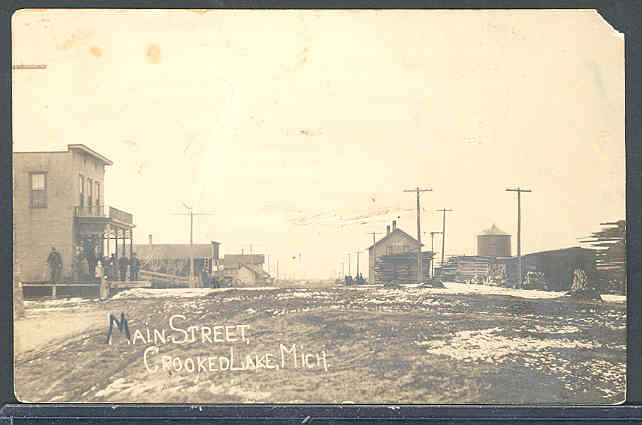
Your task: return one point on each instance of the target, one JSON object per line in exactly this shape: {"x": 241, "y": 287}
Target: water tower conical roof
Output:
{"x": 493, "y": 230}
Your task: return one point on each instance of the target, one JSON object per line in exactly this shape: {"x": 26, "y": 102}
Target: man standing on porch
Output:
{"x": 55, "y": 264}
{"x": 123, "y": 263}
{"x": 134, "y": 267}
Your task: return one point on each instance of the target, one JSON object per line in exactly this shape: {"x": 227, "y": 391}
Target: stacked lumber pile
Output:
{"x": 401, "y": 268}
{"x": 610, "y": 255}
{"x": 469, "y": 268}
{"x": 466, "y": 268}
{"x": 448, "y": 272}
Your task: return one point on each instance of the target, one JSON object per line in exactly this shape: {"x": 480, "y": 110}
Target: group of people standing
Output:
{"x": 358, "y": 279}
{"x": 118, "y": 267}
{"x": 89, "y": 266}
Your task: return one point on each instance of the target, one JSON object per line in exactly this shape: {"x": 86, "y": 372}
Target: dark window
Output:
{"x": 82, "y": 191}
{"x": 90, "y": 190}
{"x": 38, "y": 190}
{"x": 97, "y": 194}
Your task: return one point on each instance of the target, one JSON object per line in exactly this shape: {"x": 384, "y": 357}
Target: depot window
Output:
{"x": 38, "y": 190}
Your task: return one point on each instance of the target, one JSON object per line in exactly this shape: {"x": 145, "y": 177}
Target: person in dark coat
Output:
{"x": 107, "y": 267}
{"x": 205, "y": 279}
{"x": 55, "y": 264}
{"x": 134, "y": 267}
{"x": 122, "y": 264}
{"x": 91, "y": 263}
{"x": 114, "y": 268}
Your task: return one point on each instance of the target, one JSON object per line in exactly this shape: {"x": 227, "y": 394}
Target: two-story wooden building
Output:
{"x": 394, "y": 257}
{"x": 58, "y": 201}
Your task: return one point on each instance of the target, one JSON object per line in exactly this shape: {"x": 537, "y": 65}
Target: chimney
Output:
{"x": 150, "y": 239}
{"x": 387, "y": 230}
{"x": 394, "y": 224}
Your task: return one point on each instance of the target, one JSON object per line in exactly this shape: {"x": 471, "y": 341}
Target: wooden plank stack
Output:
{"x": 401, "y": 268}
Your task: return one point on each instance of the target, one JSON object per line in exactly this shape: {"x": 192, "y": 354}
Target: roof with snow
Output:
{"x": 396, "y": 230}
{"x": 236, "y": 259}
{"x": 172, "y": 251}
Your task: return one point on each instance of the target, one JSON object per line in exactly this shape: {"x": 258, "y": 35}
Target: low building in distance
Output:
{"x": 246, "y": 269}
{"x": 174, "y": 259}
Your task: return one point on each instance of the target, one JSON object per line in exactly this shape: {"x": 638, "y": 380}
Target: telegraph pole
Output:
{"x": 519, "y": 231}
{"x": 432, "y": 249}
{"x": 373, "y": 237}
{"x": 443, "y": 236}
{"x": 420, "y": 274}
{"x": 357, "y": 264}
{"x": 372, "y": 266}
{"x": 191, "y": 215}
{"x": 349, "y": 265}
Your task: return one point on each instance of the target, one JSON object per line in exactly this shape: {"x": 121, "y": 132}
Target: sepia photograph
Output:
{"x": 318, "y": 207}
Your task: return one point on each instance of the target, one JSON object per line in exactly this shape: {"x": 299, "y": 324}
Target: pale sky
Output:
{"x": 299, "y": 130}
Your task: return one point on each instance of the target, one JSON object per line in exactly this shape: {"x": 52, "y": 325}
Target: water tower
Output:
{"x": 493, "y": 242}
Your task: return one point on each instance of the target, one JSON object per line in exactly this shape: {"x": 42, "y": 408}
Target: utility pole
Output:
{"x": 357, "y": 275}
{"x": 343, "y": 270}
{"x": 277, "y": 269}
{"x": 519, "y": 231}
{"x": 420, "y": 273}
{"x": 443, "y": 236}
{"x": 432, "y": 249}
{"x": 372, "y": 266}
{"x": 191, "y": 215}
{"x": 374, "y": 241}
{"x": 349, "y": 265}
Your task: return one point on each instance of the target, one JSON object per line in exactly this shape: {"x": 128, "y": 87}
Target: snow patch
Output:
{"x": 488, "y": 345}
{"x": 182, "y": 292}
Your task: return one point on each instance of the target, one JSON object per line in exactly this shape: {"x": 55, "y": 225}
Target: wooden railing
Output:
{"x": 173, "y": 280}
{"x": 89, "y": 211}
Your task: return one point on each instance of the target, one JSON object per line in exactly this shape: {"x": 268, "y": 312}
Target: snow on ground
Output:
{"x": 462, "y": 288}
{"x": 182, "y": 292}
{"x": 611, "y": 298}
{"x": 302, "y": 293}
{"x": 58, "y": 303}
{"x": 489, "y": 345}
{"x": 427, "y": 342}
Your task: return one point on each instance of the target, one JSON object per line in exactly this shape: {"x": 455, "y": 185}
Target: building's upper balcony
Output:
{"x": 90, "y": 211}
{"x": 103, "y": 214}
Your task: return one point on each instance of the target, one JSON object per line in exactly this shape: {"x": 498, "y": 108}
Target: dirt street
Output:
{"x": 368, "y": 344}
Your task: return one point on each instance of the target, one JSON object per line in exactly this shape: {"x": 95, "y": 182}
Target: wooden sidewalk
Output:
{"x": 114, "y": 284}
